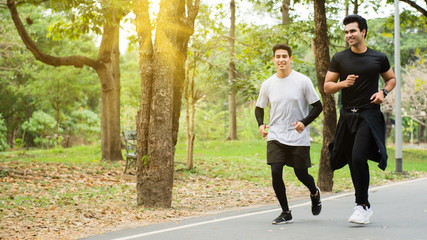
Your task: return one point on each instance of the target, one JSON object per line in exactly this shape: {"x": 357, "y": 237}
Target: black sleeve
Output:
{"x": 314, "y": 113}
{"x": 259, "y": 115}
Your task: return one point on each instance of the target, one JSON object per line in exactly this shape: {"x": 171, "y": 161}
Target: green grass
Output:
{"x": 246, "y": 160}
{"x": 236, "y": 160}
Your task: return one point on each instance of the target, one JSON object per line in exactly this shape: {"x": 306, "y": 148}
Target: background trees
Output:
{"x": 102, "y": 18}
{"x": 152, "y": 75}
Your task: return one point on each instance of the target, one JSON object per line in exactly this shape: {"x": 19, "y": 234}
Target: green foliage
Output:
{"x": 39, "y": 126}
{"x": 413, "y": 32}
{"x": 246, "y": 160}
{"x": 3, "y": 130}
{"x": 28, "y": 84}
{"x": 85, "y": 16}
{"x": 130, "y": 92}
{"x": 16, "y": 65}
{"x": 85, "y": 123}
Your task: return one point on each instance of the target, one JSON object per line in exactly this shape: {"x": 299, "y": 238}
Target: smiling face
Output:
{"x": 282, "y": 61}
{"x": 353, "y": 35}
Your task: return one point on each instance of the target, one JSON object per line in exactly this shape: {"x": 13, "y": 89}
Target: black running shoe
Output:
{"x": 316, "y": 204}
{"x": 285, "y": 217}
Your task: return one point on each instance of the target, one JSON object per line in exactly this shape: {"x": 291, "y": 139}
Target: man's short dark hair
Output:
{"x": 283, "y": 47}
{"x": 360, "y": 21}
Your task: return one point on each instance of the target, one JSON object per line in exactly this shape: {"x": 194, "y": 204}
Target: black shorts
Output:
{"x": 293, "y": 156}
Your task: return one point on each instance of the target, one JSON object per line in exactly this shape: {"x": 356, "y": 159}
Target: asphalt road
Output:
{"x": 399, "y": 212}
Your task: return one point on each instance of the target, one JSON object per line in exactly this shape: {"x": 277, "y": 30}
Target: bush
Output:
{"x": 3, "y": 132}
{"x": 40, "y": 125}
{"x": 86, "y": 123}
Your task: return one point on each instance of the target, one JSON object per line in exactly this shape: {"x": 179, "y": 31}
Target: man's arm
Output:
{"x": 314, "y": 113}
{"x": 332, "y": 85}
{"x": 259, "y": 115}
{"x": 390, "y": 82}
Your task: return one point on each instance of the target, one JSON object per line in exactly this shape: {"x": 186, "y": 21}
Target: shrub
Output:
{"x": 3, "y": 132}
{"x": 39, "y": 126}
{"x": 86, "y": 123}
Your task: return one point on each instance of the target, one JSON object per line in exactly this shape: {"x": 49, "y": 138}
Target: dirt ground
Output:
{"x": 57, "y": 201}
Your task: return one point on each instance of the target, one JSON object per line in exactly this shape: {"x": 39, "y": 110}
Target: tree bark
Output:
{"x": 321, "y": 54}
{"x": 286, "y": 4}
{"x": 107, "y": 68}
{"x": 388, "y": 123}
{"x": 421, "y": 136}
{"x": 232, "y": 118}
{"x": 191, "y": 97}
{"x": 355, "y": 7}
{"x": 162, "y": 67}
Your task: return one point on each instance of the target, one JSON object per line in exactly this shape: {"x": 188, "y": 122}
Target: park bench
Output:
{"x": 130, "y": 146}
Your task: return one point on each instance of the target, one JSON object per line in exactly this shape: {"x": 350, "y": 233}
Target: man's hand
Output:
{"x": 378, "y": 97}
{"x": 299, "y": 126}
{"x": 350, "y": 80}
{"x": 262, "y": 131}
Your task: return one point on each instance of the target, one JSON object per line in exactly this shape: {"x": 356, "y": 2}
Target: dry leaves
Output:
{"x": 59, "y": 201}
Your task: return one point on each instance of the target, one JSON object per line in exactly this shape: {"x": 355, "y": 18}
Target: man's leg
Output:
{"x": 279, "y": 185}
{"x": 308, "y": 181}
{"x": 359, "y": 168}
{"x": 280, "y": 190}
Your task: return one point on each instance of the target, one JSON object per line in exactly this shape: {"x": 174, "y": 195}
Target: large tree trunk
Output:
{"x": 286, "y": 4}
{"x": 107, "y": 68}
{"x": 232, "y": 118}
{"x": 162, "y": 77}
{"x": 321, "y": 54}
{"x": 110, "y": 97}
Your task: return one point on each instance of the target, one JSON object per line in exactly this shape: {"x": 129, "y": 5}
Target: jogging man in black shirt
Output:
{"x": 360, "y": 133}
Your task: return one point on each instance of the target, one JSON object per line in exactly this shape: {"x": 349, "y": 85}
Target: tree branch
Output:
{"x": 193, "y": 10}
{"x": 75, "y": 60}
{"x": 416, "y": 6}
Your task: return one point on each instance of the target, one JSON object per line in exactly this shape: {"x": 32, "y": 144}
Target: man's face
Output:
{"x": 282, "y": 60}
{"x": 353, "y": 35}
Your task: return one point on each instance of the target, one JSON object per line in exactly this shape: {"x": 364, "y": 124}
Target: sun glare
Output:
{"x": 127, "y": 27}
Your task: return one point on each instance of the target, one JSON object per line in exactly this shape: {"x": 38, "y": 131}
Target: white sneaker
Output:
{"x": 360, "y": 215}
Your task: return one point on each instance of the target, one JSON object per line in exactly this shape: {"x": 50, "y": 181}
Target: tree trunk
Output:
{"x": 356, "y": 7}
{"x": 107, "y": 68}
{"x": 109, "y": 74}
{"x": 285, "y": 11}
{"x": 232, "y": 118}
{"x": 321, "y": 54}
{"x": 187, "y": 97}
{"x": 421, "y": 136}
{"x": 162, "y": 78}
{"x": 388, "y": 124}
{"x": 191, "y": 97}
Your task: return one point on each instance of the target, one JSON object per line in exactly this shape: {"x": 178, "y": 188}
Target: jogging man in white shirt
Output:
{"x": 288, "y": 139}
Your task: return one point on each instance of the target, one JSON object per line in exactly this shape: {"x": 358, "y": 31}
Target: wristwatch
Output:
{"x": 385, "y": 92}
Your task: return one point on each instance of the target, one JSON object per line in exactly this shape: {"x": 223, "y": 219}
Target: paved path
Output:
{"x": 400, "y": 212}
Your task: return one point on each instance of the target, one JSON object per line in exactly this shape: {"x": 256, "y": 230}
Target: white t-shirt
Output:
{"x": 289, "y": 99}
